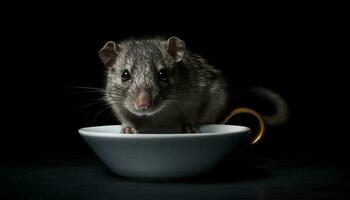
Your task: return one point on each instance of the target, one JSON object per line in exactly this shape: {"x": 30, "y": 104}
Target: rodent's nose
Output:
{"x": 143, "y": 101}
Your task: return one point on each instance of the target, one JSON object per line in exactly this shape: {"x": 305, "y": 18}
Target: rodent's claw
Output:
{"x": 189, "y": 129}
{"x": 128, "y": 130}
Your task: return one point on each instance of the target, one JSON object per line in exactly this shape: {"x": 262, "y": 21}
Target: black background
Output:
{"x": 297, "y": 50}
{"x": 51, "y": 50}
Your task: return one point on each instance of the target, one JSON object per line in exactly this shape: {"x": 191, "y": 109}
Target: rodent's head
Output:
{"x": 141, "y": 73}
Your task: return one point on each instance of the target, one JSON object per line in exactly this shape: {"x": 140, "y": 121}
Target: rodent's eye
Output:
{"x": 126, "y": 75}
{"x": 163, "y": 75}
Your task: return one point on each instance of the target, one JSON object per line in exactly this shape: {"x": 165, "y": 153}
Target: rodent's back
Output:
{"x": 202, "y": 89}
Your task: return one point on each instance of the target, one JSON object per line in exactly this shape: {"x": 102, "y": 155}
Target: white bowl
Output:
{"x": 167, "y": 156}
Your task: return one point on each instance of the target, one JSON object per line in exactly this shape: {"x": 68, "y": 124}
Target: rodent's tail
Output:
{"x": 281, "y": 107}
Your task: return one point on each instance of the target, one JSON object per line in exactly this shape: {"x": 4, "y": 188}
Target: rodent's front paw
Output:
{"x": 128, "y": 130}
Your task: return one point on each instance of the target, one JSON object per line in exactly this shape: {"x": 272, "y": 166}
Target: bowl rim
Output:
{"x": 86, "y": 131}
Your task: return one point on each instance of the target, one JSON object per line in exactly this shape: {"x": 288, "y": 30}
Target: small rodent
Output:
{"x": 157, "y": 82}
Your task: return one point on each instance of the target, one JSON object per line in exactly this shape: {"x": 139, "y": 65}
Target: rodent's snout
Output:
{"x": 143, "y": 101}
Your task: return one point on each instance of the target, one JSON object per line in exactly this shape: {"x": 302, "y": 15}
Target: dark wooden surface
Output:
{"x": 239, "y": 178}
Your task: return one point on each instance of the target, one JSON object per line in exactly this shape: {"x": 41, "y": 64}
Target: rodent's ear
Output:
{"x": 175, "y": 48}
{"x": 109, "y": 53}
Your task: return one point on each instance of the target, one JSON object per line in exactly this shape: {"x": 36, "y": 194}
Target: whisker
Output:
{"x": 100, "y": 112}
{"x": 75, "y": 90}
{"x": 86, "y": 88}
{"x": 101, "y": 101}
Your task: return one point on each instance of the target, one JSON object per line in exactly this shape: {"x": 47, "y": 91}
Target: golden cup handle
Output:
{"x": 241, "y": 110}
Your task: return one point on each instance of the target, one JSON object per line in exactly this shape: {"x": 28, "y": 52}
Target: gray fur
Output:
{"x": 194, "y": 94}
